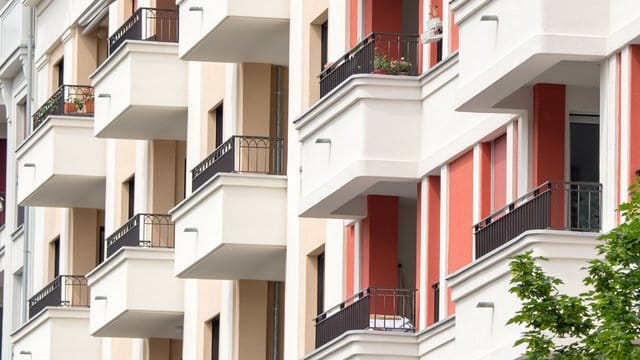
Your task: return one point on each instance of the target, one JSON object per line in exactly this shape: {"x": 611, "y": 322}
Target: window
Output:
{"x": 130, "y": 188}
{"x": 324, "y": 44}
{"x": 101, "y": 244}
{"x": 55, "y": 248}
{"x": 219, "y": 124}
{"x": 20, "y": 217}
{"x": 60, "y": 72}
{"x": 320, "y": 284}
{"x": 215, "y": 338}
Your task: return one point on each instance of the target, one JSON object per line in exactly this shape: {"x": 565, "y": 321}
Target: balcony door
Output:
{"x": 584, "y": 161}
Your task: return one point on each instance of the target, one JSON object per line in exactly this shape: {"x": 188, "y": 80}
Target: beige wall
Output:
{"x": 52, "y": 218}
{"x": 212, "y": 94}
{"x": 167, "y": 168}
{"x": 84, "y": 235}
{"x": 54, "y": 57}
{"x": 162, "y": 349}
{"x": 86, "y": 54}
{"x": 126, "y": 160}
{"x": 255, "y": 99}
{"x": 120, "y": 349}
{"x": 209, "y": 306}
{"x": 315, "y": 13}
{"x": 251, "y": 320}
{"x": 313, "y": 233}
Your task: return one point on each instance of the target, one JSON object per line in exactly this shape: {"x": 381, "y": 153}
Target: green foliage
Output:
{"x": 603, "y": 323}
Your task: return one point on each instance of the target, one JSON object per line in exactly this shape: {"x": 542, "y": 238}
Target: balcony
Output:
{"x": 63, "y": 291}
{"x": 135, "y": 294}
{"x": 233, "y": 225}
{"x": 142, "y": 87}
{"x": 378, "y": 53}
{"x": 568, "y": 206}
{"x": 371, "y": 309}
{"x": 51, "y": 170}
{"x": 236, "y": 31}
{"x": 481, "y": 294}
{"x": 58, "y": 325}
{"x": 363, "y": 137}
{"x": 506, "y": 45}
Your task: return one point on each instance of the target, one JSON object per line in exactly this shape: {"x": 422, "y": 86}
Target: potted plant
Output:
{"x": 89, "y": 104}
{"x": 400, "y": 66}
{"x": 79, "y": 102}
{"x": 381, "y": 63}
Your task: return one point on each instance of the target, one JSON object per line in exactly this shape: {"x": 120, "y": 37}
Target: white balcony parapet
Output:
{"x": 235, "y": 31}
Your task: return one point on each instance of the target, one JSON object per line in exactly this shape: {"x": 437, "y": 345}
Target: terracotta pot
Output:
{"x": 89, "y": 106}
{"x": 379, "y": 71}
{"x": 70, "y": 108}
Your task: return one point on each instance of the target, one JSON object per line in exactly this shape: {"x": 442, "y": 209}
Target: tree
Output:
{"x": 603, "y": 323}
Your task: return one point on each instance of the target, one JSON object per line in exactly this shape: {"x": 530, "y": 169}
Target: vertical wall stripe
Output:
{"x": 433, "y": 234}
{"x": 444, "y": 238}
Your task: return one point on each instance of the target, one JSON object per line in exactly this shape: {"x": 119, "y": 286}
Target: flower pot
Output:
{"x": 380, "y": 71}
{"x": 70, "y": 108}
{"x": 89, "y": 106}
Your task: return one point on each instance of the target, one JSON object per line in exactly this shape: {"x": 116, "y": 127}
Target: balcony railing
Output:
{"x": 250, "y": 154}
{"x": 64, "y": 290}
{"x": 372, "y": 308}
{"x": 72, "y": 100}
{"x": 147, "y": 24}
{"x": 380, "y": 53}
{"x": 143, "y": 230}
{"x": 571, "y": 206}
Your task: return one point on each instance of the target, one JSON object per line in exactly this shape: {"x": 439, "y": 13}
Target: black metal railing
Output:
{"x": 573, "y": 206}
{"x": 73, "y": 100}
{"x": 436, "y": 302}
{"x": 147, "y": 24}
{"x": 372, "y": 308}
{"x": 64, "y": 290}
{"x": 251, "y": 154}
{"x": 377, "y": 53}
{"x": 143, "y": 230}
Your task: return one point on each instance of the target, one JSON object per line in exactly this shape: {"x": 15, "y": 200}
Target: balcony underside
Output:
{"x": 346, "y": 194}
{"x": 235, "y": 262}
{"x": 143, "y": 324}
{"x": 244, "y": 39}
{"x": 68, "y": 191}
{"x": 147, "y": 122}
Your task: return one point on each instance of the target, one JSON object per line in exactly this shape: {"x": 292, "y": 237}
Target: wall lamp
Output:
{"x": 195, "y": 8}
{"x": 190, "y": 230}
{"x": 100, "y": 298}
{"x": 27, "y": 165}
{"x": 323, "y": 141}
{"x": 25, "y": 352}
{"x": 485, "y": 305}
{"x": 489, "y": 18}
{"x": 101, "y": 96}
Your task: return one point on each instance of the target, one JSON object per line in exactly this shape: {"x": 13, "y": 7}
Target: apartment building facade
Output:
{"x": 317, "y": 179}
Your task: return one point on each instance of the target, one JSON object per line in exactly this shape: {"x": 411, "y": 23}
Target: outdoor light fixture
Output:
{"x": 104, "y": 95}
{"x": 323, "y": 141}
{"x": 100, "y": 298}
{"x": 190, "y": 230}
{"x": 195, "y": 8}
{"x": 25, "y": 352}
{"x": 485, "y": 305}
{"x": 489, "y": 18}
{"x": 29, "y": 165}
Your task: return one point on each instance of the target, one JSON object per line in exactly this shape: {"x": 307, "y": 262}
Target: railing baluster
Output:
{"x": 147, "y": 24}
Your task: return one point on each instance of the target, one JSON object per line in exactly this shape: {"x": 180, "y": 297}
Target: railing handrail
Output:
{"x": 59, "y": 97}
{"x": 535, "y": 192}
{"x": 131, "y": 21}
{"x": 225, "y": 147}
{"x": 356, "y": 48}
{"x": 354, "y": 298}
{"x": 135, "y": 218}
{"x": 53, "y": 284}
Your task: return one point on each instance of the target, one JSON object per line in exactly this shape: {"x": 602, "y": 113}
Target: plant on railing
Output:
{"x": 381, "y": 63}
{"x": 88, "y": 97}
{"x": 602, "y": 323}
{"x": 400, "y": 66}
